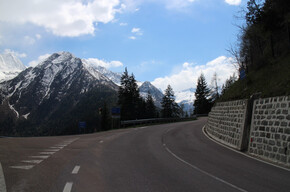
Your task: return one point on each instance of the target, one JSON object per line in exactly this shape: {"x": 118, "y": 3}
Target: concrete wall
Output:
{"x": 226, "y": 122}
{"x": 270, "y": 129}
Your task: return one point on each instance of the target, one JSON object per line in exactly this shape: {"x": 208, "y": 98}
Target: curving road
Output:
{"x": 170, "y": 157}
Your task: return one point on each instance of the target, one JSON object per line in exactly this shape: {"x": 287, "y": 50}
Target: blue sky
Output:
{"x": 162, "y": 41}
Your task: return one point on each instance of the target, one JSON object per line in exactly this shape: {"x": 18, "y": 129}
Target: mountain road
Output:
{"x": 168, "y": 157}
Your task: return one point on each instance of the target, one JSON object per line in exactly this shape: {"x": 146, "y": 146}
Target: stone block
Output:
{"x": 271, "y": 142}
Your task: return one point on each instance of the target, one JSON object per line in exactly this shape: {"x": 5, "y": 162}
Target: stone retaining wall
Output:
{"x": 226, "y": 122}
{"x": 270, "y": 129}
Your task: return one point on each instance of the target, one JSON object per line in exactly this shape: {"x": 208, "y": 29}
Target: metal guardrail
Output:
{"x": 152, "y": 121}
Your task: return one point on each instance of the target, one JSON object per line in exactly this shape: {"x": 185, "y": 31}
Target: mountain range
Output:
{"x": 49, "y": 98}
{"x": 10, "y": 66}
{"x": 52, "y": 97}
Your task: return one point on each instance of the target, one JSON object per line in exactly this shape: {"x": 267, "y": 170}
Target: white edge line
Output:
{"x": 76, "y": 169}
{"x": 68, "y": 187}
{"x": 200, "y": 170}
{"x": 204, "y": 172}
{"x": 2, "y": 180}
{"x": 203, "y": 130}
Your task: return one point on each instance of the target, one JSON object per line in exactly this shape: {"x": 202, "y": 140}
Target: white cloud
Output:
{"x": 136, "y": 31}
{"x": 132, "y": 5}
{"x": 38, "y": 60}
{"x": 62, "y": 18}
{"x": 29, "y": 40}
{"x": 103, "y": 63}
{"x": 233, "y": 2}
{"x": 123, "y": 24}
{"x": 187, "y": 77}
{"x": 20, "y": 55}
{"x": 38, "y": 36}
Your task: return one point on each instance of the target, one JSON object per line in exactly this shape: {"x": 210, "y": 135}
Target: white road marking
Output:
{"x": 32, "y": 161}
{"x": 56, "y": 147}
{"x": 198, "y": 169}
{"x": 204, "y": 172}
{"x": 55, "y": 150}
{"x": 60, "y": 145}
{"x": 67, "y": 187}
{"x": 46, "y": 153}
{"x": 204, "y": 132}
{"x": 2, "y": 180}
{"x": 101, "y": 141}
{"x": 76, "y": 169}
{"x": 40, "y": 156}
{"x": 26, "y": 167}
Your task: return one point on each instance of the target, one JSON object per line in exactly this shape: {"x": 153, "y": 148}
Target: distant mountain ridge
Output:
{"x": 147, "y": 88}
{"x": 10, "y": 66}
{"x": 54, "y": 90}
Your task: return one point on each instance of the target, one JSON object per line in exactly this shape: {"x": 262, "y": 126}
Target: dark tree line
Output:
{"x": 266, "y": 34}
{"x": 133, "y": 106}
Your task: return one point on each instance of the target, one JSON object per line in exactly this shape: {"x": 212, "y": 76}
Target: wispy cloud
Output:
{"x": 233, "y": 2}
{"x": 103, "y": 63}
{"x": 38, "y": 60}
{"x": 123, "y": 24}
{"x": 20, "y": 55}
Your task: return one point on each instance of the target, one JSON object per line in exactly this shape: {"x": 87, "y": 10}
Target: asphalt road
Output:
{"x": 170, "y": 157}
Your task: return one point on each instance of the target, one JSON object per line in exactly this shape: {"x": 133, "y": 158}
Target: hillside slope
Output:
{"x": 270, "y": 80}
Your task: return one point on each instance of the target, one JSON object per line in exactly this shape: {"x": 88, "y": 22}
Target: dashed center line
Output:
{"x": 67, "y": 187}
{"x": 76, "y": 169}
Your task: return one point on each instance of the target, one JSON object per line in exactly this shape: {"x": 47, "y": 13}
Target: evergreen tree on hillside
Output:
{"x": 129, "y": 97}
{"x": 202, "y": 103}
{"x": 106, "y": 117}
{"x": 169, "y": 107}
{"x": 151, "y": 111}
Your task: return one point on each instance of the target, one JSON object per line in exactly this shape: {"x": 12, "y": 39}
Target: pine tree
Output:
{"x": 150, "y": 107}
{"x": 169, "y": 107}
{"x": 106, "y": 117}
{"x": 129, "y": 97}
{"x": 202, "y": 103}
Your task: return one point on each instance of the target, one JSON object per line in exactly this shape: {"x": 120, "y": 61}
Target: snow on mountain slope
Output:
{"x": 156, "y": 94}
{"x": 186, "y": 98}
{"x": 185, "y": 95}
{"x": 59, "y": 76}
{"x": 10, "y": 66}
{"x": 115, "y": 77}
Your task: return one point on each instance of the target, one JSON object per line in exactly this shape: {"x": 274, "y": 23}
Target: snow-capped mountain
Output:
{"x": 10, "y": 66}
{"x": 156, "y": 94}
{"x": 54, "y": 88}
{"x": 115, "y": 77}
{"x": 185, "y": 98}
